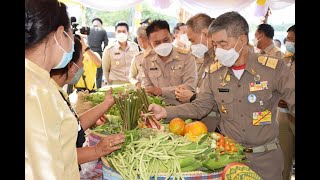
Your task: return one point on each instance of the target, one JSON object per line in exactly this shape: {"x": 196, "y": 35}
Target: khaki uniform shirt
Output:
{"x": 203, "y": 65}
{"x": 136, "y": 70}
{"x": 51, "y": 129}
{"x": 289, "y": 59}
{"x": 232, "y": 99}
{"x": 274, "y": 51}
{"x": 179, "y": 69}
{"x": 116, "y": 62}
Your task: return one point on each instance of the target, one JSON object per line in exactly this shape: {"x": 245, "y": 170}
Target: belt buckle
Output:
{"x": 248, "y": 150}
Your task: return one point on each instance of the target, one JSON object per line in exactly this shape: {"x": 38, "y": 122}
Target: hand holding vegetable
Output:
{"x": 158, "y": 111}
{"x": 109, "y": 144}
{"x": 108, "y": 97}
{"x": 154, "y": 91}
{"x": 102, "y": 120}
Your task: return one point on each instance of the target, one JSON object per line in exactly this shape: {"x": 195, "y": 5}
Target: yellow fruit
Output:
{"x": 176, "y": 126}
{"x": 196, "y": 128}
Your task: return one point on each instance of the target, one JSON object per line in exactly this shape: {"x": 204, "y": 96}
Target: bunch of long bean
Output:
{"x": 155, "y": 153}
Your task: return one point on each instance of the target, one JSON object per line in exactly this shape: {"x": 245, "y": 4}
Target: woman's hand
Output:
{"x": 108, "y": 97}
{"x": 108, "y": 144}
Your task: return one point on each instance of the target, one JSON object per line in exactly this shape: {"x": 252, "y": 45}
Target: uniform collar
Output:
{"x": 269, "y": 48}
{"x": 117, "y": 46}
{"x": 59, "y": 88}
{"x": 37, "y": 69}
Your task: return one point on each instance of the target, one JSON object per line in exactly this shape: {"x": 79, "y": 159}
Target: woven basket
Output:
{"x": 109, "y": 173}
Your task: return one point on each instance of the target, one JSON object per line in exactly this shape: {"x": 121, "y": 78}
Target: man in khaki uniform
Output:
{"x": 286, "y": 120}
{"x": 136, "y": 71}
{"x": 246, "y": 89}
{"x": 264, "y": 41}
{"x": 117, "y": 57}
{"x": 202, "y": 49}
{"x": 169, "y": 66}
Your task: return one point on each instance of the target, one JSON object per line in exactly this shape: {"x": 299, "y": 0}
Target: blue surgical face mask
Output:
{"x": 290, "y": 46}
{"x": 67, "y": 56}
{"x": 77, "y": 75}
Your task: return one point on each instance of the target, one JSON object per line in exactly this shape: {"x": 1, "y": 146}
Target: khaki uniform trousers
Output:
{"x": 260, "y": 164}
{"x": 287, "y": 141}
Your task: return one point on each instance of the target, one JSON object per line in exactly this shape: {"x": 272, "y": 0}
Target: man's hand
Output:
{"x": 159, "y": 112}
{"x": 154, "y": 91}
{"x": 182, "y": 94}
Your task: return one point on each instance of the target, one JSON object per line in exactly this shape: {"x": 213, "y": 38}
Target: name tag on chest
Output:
{"x": 223, "y": 90}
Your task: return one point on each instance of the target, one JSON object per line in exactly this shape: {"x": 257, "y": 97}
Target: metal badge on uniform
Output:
{"x": 152, "y": 69}
{"x": 116, "y": 53}
{"x": 261, "y": 118}
{"x": 228, "y": 77}
{"x": 256, "y": 78}
{"x": 223, "y": 109}
{"x": 257, "y": 86}
{"x": 117, "y": 62}
{"x": 203, "y": 75}
{"x": 252, "y": 98}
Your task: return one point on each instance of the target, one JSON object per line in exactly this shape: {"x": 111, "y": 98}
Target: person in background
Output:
{"x": 181, "y": 40}
{"x": 202, "y": 49}
{"x": 117, "y": 57}
{"x": 247, "y": 109}
{"x": 96, "y": 38}
{"x": 50, "y": 127}
{"x": 71, "y": 74}
{"x": 285, "y": 119}
{"x": 277, "y": 43}
{"x": 264, "y": 41}
{"x": 136, "y": 73}
{"x": 91, "y": 61}
{"x": 168, "y": 67}
{"x": 145, "y": 22}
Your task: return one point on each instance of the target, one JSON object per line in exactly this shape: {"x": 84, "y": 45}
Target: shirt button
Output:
{"x": 222, "y": 100}
{"x": 239, "y": 85}
{"x": 241, "y": 115}
{"x": 240, "y": 101}
{"x": 243, "y": 130}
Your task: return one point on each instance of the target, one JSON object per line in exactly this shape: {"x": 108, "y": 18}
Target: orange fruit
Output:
{"x": 176, "y": 126}
{"x": 196, "y": 128}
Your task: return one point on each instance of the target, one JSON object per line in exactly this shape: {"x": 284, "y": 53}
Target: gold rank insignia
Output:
{"x": 215, "y": 66}
{"x": 272, "y": 62}
{"x": 223, "y": 109}
{"x": 276, "y": 49}
{"x": 262, "y": 59}
{"x": 228, "y": 77}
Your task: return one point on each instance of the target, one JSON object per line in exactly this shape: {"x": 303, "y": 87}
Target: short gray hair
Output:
{"x": 234, "y": 24}
{"x": 141, "y": 31}
{"x": 199, "y": 22}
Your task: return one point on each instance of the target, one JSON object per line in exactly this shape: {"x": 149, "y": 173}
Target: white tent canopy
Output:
{"x": 210, "y": 7}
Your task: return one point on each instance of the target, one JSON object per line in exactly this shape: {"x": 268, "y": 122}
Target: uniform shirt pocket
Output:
{"x": 225, "y": 104}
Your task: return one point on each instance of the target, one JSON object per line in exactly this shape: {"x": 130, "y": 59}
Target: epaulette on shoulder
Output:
{"x": 110, "y": 45}
{"x": 276, "y": 49}
{"x": 215, "y": 66}
{"x": 183, "y": 51}
{"x": 268, "y": 61}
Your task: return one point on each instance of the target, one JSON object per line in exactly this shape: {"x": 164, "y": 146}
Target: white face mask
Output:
{"x": 290, "y": 46}
{"x": 184, "y": 38}
{"x": 198, "y": 50}
{"x": 122, "y": 37}
{"x": 228, "y": 57}
{"x": 255, "y": 41}
{"x": 163, "y": 49}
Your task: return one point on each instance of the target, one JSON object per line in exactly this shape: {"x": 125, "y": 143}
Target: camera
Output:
{"x": 83, "y": 30}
